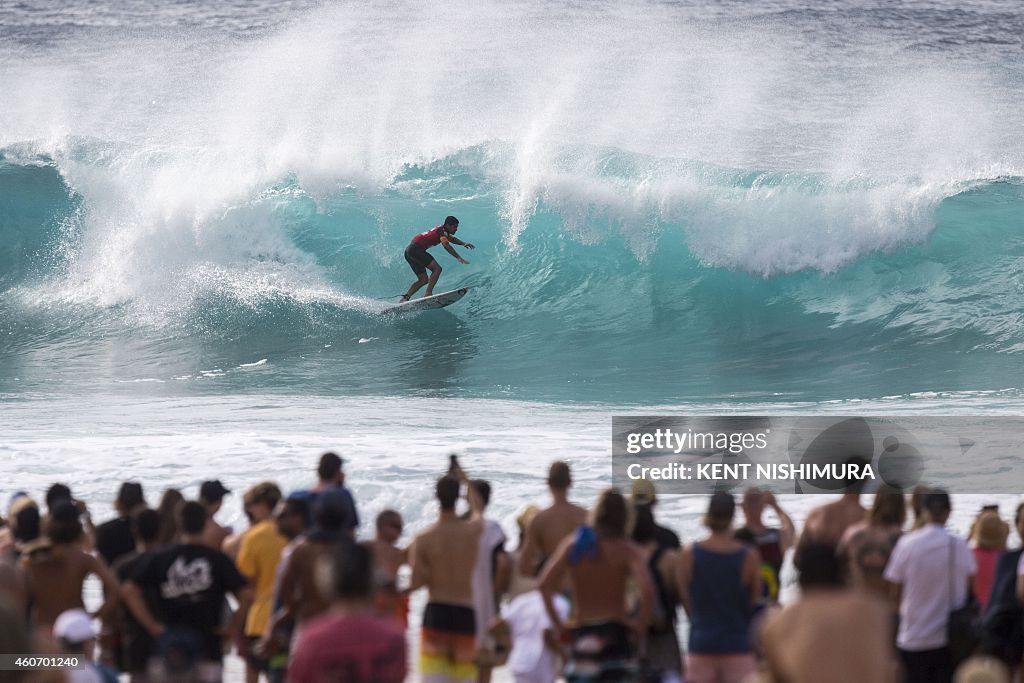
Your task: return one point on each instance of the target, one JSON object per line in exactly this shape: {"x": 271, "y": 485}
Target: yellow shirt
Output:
{"x": 257, "y": 559}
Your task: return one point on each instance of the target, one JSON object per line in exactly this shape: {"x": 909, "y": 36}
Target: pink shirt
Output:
{"x": 986, "y": 560}
{"x": 335, "y": 648}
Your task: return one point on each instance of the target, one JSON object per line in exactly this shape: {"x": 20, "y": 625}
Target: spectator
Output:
{"x": 388, "y": 558}
{"x": 831, "y": 633}
{"x": 114, "y": 538}
{"x": 187, "y": 584}
{"x": 170, "y": 510}
{"x": 350, "y": 643}
{"x": 1004, "y": 617}
{"x": 662, "y": 661}
{"x": 293, "y": 518}
{"x": 211, "y": 495}
{"x": 772, "y": 544}
{"x": 300, "y": 593}
{"x": 828, "y": 523}
{"x": 443, "y": 557}
{"x": 75, "y": 635}
{"x": 989, "y": 538}
{"x": 258, "y": 557}
{"x": 491, "y": 561}
{"x": 56, "y": 571}
{"x": 599, "y": 561}
{"x": 134, "y": 644}
{"x": 553, "y": 524}
{"x": 534, "y": 651}
{"x": 719, "y": 583}
{"x": 931, "y": 572}
{"x": 866, "y": 546}
{"x": 331, "y": 477}
{"x": 643, "y": 494}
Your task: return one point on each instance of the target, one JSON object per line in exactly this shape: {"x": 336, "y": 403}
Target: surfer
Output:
{"x": 420, "y": 259}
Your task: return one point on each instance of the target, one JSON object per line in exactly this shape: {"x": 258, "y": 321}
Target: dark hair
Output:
{"x": 447, "y": 492}
{"x": 451, "y": 220}
{"x": 745, "y": 535}
{"x": 721, "y": 511}
{"x": 611, "y": 515}
{"x": 387, "y": 517}
{"x": 27, "y": 524}
{"x": 483, "y": 489}
{"x": 559, "y": 477}
{"x": 300, "y": 507}
{"x": 938, "y": 505}
{"x": 643, "y": 524}
{"x": 856, "y": 484}
{"x": 129, "y": 496}
{"x": 56, "y": 494}
{"x": 329, "y": 467}
{"x": 819, "y": 565}
{"x": 63, "y": 525}
{"x": 170, "y": 505}
{"x": 146, "y": 525}
{"x": 192, "y": 518}
{"x": 352, "y": 571}
{"x": 889, "y": 507}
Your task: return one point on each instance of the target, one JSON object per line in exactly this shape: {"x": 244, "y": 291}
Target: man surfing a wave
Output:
{"x": 420, "y": 260}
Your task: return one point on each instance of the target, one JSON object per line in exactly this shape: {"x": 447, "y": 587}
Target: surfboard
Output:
{"x": 427, "y": 302}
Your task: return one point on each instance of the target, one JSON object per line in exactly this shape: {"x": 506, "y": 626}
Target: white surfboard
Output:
{"x": 423, "y": 303}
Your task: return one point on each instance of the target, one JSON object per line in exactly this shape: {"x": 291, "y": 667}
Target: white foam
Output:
{"x": 174, "y": 143}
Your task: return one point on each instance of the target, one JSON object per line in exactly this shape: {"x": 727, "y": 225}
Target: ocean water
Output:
{"x": 678, "y": 206}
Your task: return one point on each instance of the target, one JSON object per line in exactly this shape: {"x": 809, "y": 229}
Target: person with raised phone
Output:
{"x": 420, "y": 260}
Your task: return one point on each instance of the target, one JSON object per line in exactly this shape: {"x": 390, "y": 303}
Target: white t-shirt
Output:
{"x": 87, "y": 674}
{"x": 933, "y": 567}
{"x": 529, "y": 660}
{"x": 483, "y": 580}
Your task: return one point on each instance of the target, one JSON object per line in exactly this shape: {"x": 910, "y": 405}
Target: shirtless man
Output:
{"x": 832, "y": 633}
{"x": 211, "y": 495}
{"x": 550, "y": 526}
{"x": 443, "y": 558}
{"x": 388, "y": 558}
{"x": 299, "y": 589}
{"x": 56, "y": 572}
{"x": 828, "y": 523}
{"x": 599, "y": 560}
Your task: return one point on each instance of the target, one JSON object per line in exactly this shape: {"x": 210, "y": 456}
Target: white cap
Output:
{"x": 74, "y": 626}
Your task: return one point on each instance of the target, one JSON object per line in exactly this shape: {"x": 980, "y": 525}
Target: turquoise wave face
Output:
{"x": 639, "y": 280}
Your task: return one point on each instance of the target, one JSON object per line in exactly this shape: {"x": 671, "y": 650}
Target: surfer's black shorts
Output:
{"x": 418, "y": 257}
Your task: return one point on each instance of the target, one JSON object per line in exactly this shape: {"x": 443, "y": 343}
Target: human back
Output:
{"x": 449, "y": 548}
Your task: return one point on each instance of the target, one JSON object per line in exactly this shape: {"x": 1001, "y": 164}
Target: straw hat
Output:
{"x": 990, "y": 532}
{"x": 982, "y": 670}
{"x": 526, "y": 516}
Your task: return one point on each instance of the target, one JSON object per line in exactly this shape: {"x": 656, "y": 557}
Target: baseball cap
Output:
{"x": 643, "y": 492}
{"x": 212, "y": 490}
{"x": 74, "y": 626}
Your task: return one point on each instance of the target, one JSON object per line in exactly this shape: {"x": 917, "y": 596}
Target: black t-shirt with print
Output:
{"x": 187, "y": 585}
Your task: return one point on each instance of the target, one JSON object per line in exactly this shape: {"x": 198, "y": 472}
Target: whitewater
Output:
{"x": 684, "y": 207}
